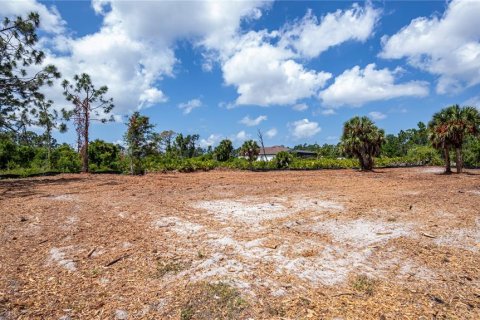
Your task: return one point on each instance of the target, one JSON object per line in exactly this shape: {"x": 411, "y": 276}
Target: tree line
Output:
{"x": 452, "y": 132}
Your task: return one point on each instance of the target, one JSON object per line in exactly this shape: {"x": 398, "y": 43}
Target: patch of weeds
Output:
{"x": 392, "y": 219}
{"x": 213, "y": 301}
{"x": 200, "y": 255}
{"x": 186, "y": 313}
{"x": 172, "y": 267}
{"x": 276, "y": 310}
{"x": 96, "y": 272}
{"x": 365, "y": 284}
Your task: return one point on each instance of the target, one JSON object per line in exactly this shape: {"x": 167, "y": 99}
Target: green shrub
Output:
{"x": 424, "y": 155}
{"x": 283, "y": 159}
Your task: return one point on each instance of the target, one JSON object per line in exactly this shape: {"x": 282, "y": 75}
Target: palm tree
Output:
{"x": 250, "y": 150}
{"x": 450, "y": 127}
{"x": 361, "y": 138}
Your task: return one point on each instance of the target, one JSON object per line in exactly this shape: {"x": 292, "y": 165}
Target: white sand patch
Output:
{"x": 468, "y": 238}
{"x": 316, "y": 205}
{"x": 432, "y": 170}
{"x": 255, "y": 210}
{"x": 475, "y": 192}
{"x": 63, "y": 197}
{"x": 218, "y": 266}
{"x": 58, "y": 255}
{"x": 389, "y": 262}
{"x": 177, "y": 225}
{"x": 71, "y": 220}
{"x": 122, "y": 214}
{"x": 243, "y": 210}
{"x": 361, "y": 233}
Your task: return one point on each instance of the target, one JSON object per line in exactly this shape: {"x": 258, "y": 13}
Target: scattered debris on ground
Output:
{"x": 396, "y": 243}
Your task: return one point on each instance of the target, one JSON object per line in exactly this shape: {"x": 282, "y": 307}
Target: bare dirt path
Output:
{"x": 397, "y": 243}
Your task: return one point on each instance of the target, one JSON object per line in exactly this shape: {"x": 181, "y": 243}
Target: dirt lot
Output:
{"x": 394, "y": 244}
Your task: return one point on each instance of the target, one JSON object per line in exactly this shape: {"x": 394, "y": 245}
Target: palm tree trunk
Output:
{"x": 360, "y": 160}
{"x": 459, "y": 159}
{"x": 369, "y": 162}
{"x": 448, "y": 168}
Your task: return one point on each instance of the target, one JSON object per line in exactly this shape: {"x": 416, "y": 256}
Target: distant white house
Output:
{"x": 271, "y": 152}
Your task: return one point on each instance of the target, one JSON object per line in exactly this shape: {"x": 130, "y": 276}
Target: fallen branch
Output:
{"x": 344, "y": 294}
{"x": 428, "y": 235}
{"x": 117, "y": 260}
{"x": 91, "y": 252}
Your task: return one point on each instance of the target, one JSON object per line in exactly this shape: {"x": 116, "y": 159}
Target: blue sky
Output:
{"x": 297, "y": 70}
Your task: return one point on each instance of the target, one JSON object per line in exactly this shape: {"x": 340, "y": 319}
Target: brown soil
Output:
{"x": 396, "y": 243}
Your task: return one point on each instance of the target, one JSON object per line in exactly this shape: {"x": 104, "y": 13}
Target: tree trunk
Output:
{"x": 49, "y": 148}
{"x": 361, "y": 161}
{"x": 85, "y": 145}
{"x": 368, "y": 162}
{"x": 459, "y": 159}
{"x": 448, "y": 168}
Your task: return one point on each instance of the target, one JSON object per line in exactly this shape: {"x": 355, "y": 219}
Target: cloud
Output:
{"x": 50, "y": 19}
{"x": 266, "y": 68}
{"x": 473, "y": 101}
{"x": 446, "y": 46}
{"x": 358, "y": 86}
{"x": 252, "y": 122}
{"x": 267, "y": 75}
{"x": 187, "y": 107}
{"x": 304, "y": 128}
{"x": 134, "y": 48}
{"x": 310, "y": 37}
{"x": 300, "y": 107}
{"x": 375, "y": 115}
{"x": 212, "y": 140}
{"x": 241, "y": 136}
{"x": 271, "y": 133}
{"x": 328, "y": 112}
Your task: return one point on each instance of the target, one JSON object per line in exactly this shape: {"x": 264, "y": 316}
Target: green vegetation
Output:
{"x": 364, "y": 284}
{"x": 20, "y": 84}
{"x": 449, "y": 129}
{"x": 213, "y": 301}
{"x": 363, "y": 140}
{"x": 87, "y": 102}
{"x": 224, "y": 150}
{"x": 283, "y": 160}
{"x": 139, "y": 137}
{"x": 250, "y": 151}
{"x": 453, "y": 132}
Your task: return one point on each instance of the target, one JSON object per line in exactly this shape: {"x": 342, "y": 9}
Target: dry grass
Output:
{"x": 213, "y": 301}
{"x": 240, "y": 245}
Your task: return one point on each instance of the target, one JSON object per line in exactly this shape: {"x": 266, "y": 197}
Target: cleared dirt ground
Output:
{"x": 394, "y": 244}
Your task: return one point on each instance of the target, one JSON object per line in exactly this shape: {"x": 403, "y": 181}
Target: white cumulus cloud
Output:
{"x": 447, "y": 46}
{"x": 267, "y": 68}
{"x": 376, "y": 115}
{"x": 249, "y": 122}
{"x": 300, "y": 107}
{"x": 241, "y": 136}
{"x": 188, "y": 107}
{"x": 311, "y": 36}
{"x": 358, "y": 86}
{"x": 271, "y": 133}
{"x": 304, "y": 128}
{"x": 212, "y": 140}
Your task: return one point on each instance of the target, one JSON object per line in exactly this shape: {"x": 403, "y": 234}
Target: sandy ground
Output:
{"x": 340, "y": 244}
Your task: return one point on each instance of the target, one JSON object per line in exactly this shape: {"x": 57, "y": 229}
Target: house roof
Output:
{"x": 273, "y": 150}
{"x": 304, "y": 152}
